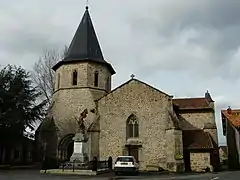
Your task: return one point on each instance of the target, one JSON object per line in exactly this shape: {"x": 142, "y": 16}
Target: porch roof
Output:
{"x": 197, "y": 140}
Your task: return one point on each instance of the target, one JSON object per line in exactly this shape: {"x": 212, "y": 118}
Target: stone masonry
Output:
{"x": 70, "y": 100}
{"x": 197, "y": 120}
{"x": 150, "y": 107}
{"x": 200, "y": 161}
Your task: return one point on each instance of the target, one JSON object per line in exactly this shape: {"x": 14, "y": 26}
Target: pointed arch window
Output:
{"x": 58, "y": 81}
{"x": 132, "y": 127}
{"x": 96, "y": 78}
{"x": 74, "y": 77}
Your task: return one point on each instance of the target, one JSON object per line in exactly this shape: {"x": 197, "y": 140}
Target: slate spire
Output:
{"x": 84, "y": 45}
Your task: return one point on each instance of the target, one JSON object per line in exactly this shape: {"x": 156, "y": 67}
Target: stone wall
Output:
{"x": 223, "y": 155}
{"x": 197, "y": 120}
{"x": 70, "y": 100}
{"x": 85, "y": 76}
{"x": 200, "y": 161}
{"x": 150, "y": 106}
{"x": 94, "y": 145}
{"x": 174, "y": 150}
{"x": 67, "y": 107}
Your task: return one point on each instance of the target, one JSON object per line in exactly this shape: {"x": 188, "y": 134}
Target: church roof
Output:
{"x": 192, "y": 103}
{"x": 197, "y": 139}
{"x": 46, "y": 125}
{"x": 85, "y": 45}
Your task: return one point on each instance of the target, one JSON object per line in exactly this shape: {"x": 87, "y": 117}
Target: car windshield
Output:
{"x": 125, "y": 159}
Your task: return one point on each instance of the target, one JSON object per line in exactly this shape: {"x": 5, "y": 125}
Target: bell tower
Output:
{"x": 82, "y": 77}
{"x": 84, "y": 65}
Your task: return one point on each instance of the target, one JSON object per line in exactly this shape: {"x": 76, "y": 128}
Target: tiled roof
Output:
{"x": 197, "y": 139}
{"x": 192, "y": 103}
{"x": 234, "y": 117}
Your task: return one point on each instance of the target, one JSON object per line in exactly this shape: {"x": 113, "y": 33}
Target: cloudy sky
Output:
{"x": 182, "y": 47}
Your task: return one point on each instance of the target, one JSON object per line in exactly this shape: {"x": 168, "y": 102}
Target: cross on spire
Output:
{"x": 132, "y": 76}
{"x": 87, "y": 2}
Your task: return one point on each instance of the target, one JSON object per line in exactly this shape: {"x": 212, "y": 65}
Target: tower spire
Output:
{"x": 85, "y": 45}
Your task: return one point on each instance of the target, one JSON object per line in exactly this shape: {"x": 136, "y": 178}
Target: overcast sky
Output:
{"x": 182, "y": 47}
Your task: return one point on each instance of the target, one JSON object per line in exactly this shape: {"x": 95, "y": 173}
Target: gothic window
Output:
{"x": 58, "y": 82}
{"x": 74, "y": 78}
{"x": 132, "y": 127}
{"x": 135, "y": 129}
{"x": 96, "y": 79}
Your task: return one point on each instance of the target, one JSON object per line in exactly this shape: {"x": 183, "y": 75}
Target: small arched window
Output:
{"x": 132, "y": 125}
{"x": 108, "y": 84}
{"x": 96, "y": 78}
{"x": 58, "y": 81}
{"x": 74, "y": 78}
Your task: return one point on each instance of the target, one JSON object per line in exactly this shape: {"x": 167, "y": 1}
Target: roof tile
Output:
{"x": 192, "y": 103}
{"x": 234, "y": 117}
{"x": 197, "y": 139}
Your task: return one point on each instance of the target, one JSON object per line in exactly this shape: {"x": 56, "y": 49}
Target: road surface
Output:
{"x": 35, "y": 175}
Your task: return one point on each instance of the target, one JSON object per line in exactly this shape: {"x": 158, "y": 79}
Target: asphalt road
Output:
{"x": 35, "y": 175}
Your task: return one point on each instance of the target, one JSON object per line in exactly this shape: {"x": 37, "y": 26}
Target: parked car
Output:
{"x": 126, "y": 164}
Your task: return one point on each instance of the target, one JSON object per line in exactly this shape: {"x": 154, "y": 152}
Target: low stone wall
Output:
{"x": 200, "y": 161}
{"x": 75, "y": 172}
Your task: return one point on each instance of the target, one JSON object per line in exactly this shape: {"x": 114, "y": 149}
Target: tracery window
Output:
{"x": 74, "y": 78}
{"x": 132, "y": 127}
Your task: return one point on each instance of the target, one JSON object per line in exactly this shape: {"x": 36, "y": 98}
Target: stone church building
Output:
{"x": 133, "y": 119}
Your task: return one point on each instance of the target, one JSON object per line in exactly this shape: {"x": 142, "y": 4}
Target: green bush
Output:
{"x": 178, "y": 156}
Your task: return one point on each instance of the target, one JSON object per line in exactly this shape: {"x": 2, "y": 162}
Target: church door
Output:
{"x": 70, "y": 150}
{"x": 133, "y": 152}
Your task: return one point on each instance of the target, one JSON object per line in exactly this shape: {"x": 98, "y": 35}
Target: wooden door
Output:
{"x": 134, "y": 152}
{"x": 187, "y": 162}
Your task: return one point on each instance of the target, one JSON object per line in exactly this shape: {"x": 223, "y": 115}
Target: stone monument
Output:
{"x": 80, "y": 141}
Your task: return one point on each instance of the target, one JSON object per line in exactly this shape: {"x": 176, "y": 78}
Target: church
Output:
{"x": 160, "y": 131}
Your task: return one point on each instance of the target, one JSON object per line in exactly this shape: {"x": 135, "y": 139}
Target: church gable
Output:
{"x": 133, "y": 114}
{"x": 130, "y": 86}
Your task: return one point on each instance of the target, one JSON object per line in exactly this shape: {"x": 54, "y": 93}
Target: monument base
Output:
{"x": 79, "y": 150}
{"x": 79, "y": 157}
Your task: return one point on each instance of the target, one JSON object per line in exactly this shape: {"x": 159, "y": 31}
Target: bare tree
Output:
{"x": 43, "y": 75}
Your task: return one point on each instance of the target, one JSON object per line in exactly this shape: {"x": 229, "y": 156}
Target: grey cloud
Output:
{"x": 215, "y": 24}
{"x": 182, "y": 47}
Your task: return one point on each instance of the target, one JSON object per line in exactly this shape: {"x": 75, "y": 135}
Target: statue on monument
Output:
{"x": 80, "y": 121}
{"x": 80, "y": 139}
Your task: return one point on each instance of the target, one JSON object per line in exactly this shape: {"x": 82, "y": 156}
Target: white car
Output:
{"x": 126, "y": 164}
